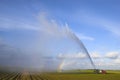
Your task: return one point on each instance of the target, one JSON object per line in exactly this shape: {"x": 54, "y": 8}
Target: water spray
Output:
{"x": 74, "y": 37}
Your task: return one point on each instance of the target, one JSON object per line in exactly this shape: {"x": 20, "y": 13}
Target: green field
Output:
{"x": 77, "y": 75}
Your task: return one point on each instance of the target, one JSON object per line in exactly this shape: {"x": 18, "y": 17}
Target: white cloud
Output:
{"x": 109, "y": 61}
{"x": 95, "y": 55}
{"x": 72, "y": 56}
{"x": 117, "y": 61}
{"x": 84, "y": 37}
{"x": 69, "y": 64}
{"x": 112, "y": 55}
{"x": 101, "y": 62}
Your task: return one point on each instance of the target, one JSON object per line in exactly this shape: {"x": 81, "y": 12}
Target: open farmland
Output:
{"x": 111, "y": 75}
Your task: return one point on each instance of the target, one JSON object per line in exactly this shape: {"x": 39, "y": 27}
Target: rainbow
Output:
{"x": 62, "y": 64}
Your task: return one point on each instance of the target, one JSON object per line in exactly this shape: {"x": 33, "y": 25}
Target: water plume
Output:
{"x": 42, "y": 52}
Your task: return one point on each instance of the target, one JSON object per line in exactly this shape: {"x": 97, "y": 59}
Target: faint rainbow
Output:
{"x": 60, "y": 67}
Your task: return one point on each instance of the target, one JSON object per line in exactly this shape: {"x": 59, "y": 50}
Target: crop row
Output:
{"x": 22, "y": 76}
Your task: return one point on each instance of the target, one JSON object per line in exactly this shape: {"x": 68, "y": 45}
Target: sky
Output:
{"x": 30, "y": 29}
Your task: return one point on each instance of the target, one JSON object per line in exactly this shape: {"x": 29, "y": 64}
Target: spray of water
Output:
{"x": 77, "y": 40}
{"x": 83, "y": 55}
{"x": 42, "y": 51}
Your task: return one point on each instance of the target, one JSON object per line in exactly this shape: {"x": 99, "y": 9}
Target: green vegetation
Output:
{"x": 71, "y": 75}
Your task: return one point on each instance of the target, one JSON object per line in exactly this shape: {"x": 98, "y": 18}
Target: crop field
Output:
{"x": 111, "y": 75}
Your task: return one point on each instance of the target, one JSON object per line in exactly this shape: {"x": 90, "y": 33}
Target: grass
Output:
{"x": 84, "y": 76}
{"x": 70, "y": 75}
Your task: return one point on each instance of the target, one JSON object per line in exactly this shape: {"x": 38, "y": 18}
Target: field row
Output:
{"x": 22, "y": 76}
{"x": 111, "y": 75}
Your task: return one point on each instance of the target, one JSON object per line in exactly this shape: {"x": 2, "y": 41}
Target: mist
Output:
{"x": 39, "y": 49}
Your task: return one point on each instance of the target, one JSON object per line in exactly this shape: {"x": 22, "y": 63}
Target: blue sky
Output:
{"x": 95, "y": 22}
